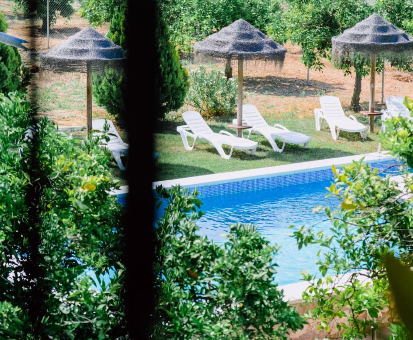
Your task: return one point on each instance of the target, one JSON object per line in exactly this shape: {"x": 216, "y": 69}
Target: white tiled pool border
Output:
{"x": 226, "y": 177}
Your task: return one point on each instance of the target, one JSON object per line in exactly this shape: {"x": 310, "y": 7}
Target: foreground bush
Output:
{"x": 211, "y": 93}
{"x": 13, "y": 75}
{"x": 60, "y": 229}
{"x": 373, "y": 220}
{"x": 209, "y": 291}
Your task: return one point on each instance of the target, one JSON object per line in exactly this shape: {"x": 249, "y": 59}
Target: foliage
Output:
{"x": 38, "y": 9}
{"x": 370, "y": 221}
{"x": 109, "y": 87}
{"x": 214, "y": 292}
{"x": 171, "y": 79}
{"x": 211, "y": 93}
{"x": 193, "y": 20}
{"x": 13, "y": 75}
{"x": 312, "y": 23}
{"x": 97, "y": 12}
{"x": 397, "y": 136}
{"x": 398, "y": 12}
{"x": 61, "y": 228}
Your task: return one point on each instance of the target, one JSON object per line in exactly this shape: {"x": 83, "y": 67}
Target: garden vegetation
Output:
{"x": 61, "y": 239}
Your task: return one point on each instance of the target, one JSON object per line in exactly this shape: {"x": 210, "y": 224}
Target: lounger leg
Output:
{"x": 275, "y": 146}
{"x": 251, "y": 151}
{"x": 333, "y": 132}
{"x": 116, "y": 155}
{"x": 185, "y": 141}
{"x": 338, "y": 133}
{"x": 306, "y": 145}
{"x": 363, "y": 134}
{"x": 221, "y": 151}
{"x": 317, "y": 121}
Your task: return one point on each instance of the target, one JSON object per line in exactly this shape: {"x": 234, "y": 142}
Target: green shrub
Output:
{"x": 13, "y": 75}
{"x": 211, "y": 93}
{"x": 109, "y": 87}
{"x": 208, "y": 291}
{"x": 60, "y": 229}
{"x": 397, "y": 136}
{"x": 171, "y": 79}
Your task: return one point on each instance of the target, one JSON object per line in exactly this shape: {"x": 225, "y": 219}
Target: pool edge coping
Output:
{"x": 277, "y": 170}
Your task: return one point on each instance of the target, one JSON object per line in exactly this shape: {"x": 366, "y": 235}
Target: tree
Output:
{"x": 398, "y": 12}
{"x": 312, "y": 24}
{"x": 171, "y": 78}
{"x": 13, "y": 75}
{"x": 192, "y": 20}
{"x": 98, "y": 12}
{"x": 109, "y": 87}
{"x": 38, "y": 9}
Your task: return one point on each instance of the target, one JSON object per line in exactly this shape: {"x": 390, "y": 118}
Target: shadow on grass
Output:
{"x": 280, "y": 86}
{"x": 169, "y": 127}
{"x": 165, "y": 171}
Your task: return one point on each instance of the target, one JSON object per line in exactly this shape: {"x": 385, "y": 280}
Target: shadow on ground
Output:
{"x": 280, "y": 86}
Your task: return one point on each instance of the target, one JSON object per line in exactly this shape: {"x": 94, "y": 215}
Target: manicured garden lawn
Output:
{"x": 175, "y": 162}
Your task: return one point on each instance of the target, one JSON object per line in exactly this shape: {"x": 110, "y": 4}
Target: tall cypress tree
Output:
{"x": 171, "y": 79}
{"x": 109, "y": 88}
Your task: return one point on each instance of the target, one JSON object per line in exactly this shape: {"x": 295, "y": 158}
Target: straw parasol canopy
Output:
{"x": 84, "y": 52}
{"x": 241, "y": 41}
{"x": 371, "y": 38}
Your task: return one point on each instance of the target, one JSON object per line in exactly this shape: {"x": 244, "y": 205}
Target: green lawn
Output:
{"x": 175, "y": 162}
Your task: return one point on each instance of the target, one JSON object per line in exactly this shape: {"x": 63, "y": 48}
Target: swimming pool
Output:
{"x": 273, "y": 204}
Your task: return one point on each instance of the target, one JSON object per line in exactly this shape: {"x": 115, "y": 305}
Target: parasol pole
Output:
{"x": 372, "y": 82}
{"x": 89, "y": 98}
{"x": 240, "y": 84}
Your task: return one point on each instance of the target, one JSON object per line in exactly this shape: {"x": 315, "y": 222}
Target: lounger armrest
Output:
{"x": 223, "y": 132}
{"x": 353, "y": 118}
{"x": 319, "y": 112}
{"x": 185, "y": 129}
{"x": 281, "y": 127}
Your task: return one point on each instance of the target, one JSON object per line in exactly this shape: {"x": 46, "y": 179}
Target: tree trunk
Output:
{"x": 228, "y": 68}
{"x": 44, "y": 25}
{"x": 355, "y": 100}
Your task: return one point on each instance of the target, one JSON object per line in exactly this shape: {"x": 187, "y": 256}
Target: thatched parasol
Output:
{"x": 241, "y": 41}
{"x": 84, "y": 52}
{"x": 371, "y": 38}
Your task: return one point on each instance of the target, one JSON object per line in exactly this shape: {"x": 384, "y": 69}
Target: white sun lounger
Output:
{"x": 116, "y": 145}
{"x": 394, "y": 108}
{"x": 332, "y": 112}
{"x": 252, "y": 117}
{"x": 197, "y": 128}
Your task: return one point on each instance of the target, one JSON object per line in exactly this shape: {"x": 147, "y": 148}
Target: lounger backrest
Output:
{"x": 196, "y": 123}
{"x": 395, "y": 106}
{"x": 331, "y": 106}
{"x": 251, "y": 116}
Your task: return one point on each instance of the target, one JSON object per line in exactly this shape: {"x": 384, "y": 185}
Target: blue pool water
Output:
{"x": 273, "y": 204}
{"x": 273, "y": 211}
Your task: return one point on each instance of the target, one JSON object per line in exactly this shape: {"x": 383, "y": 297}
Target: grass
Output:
{"x": 175, "y": 162}
{"x": 62, "y": 95}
